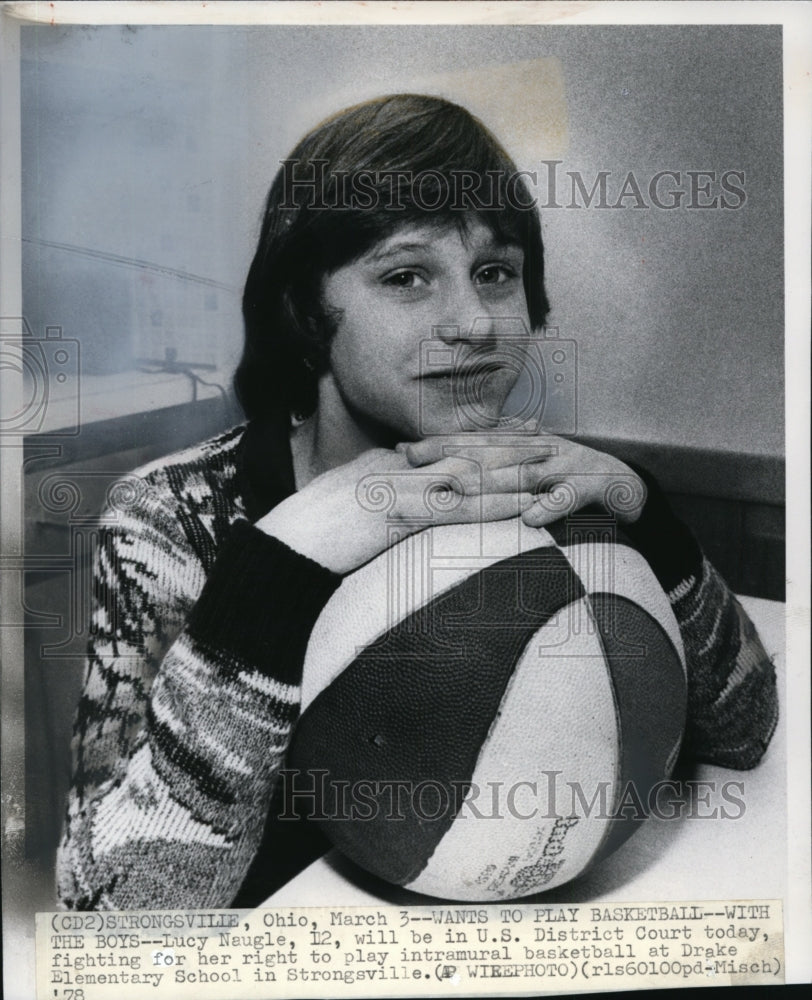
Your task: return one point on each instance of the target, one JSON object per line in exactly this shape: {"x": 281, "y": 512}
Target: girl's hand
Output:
{"x": 350, "y": 514}
{"x": 562, "y": 475}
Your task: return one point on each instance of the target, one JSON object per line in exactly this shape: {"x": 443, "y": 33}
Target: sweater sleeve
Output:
{"x": 187, "y": 709}
{"x": 732, "y": 696}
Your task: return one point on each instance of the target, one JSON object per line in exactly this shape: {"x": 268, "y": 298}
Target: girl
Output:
{"x": 396, "y": 224}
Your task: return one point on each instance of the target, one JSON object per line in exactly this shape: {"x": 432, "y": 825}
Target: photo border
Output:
{"x": 797, "y": 21}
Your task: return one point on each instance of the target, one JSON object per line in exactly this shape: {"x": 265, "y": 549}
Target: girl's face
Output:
{"x": 431, "y": 334}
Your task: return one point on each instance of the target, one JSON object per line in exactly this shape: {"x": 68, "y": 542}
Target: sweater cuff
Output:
{"x": 666, "y": 543}
{"x": 260, "y": 603}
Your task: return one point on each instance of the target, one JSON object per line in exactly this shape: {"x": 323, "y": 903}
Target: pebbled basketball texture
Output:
{"x": 487, "y": 709}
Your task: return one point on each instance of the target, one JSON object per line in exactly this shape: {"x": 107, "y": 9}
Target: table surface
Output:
{"x": 686, "y": 858}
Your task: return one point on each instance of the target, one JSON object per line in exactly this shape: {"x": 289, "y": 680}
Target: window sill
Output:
{"x": 89, "y": 399}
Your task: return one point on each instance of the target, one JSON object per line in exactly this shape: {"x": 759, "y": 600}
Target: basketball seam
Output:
{"x": 626, "y": 544}
{"x": 510, "y": 681}
{"x": 433, "y": 596}
{"x": 620, "y": 737}
{"x": 612, "y": 683}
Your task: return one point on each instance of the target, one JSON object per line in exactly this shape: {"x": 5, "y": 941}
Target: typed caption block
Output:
{"x": 387, "y": 951}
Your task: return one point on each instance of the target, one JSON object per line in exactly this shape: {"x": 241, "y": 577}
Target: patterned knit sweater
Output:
{"x": 200, "y": 625}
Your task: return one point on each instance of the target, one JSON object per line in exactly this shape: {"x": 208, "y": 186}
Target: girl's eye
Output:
{"x": 404, "y": 279}
{"x": 494, "y": 274}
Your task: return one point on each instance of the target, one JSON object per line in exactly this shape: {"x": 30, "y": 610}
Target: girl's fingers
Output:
{"x": 483, "y": 450}
{"x": 549, "y": 507}
{"x": 471, "y": 478}
{"x": 487, "y": 507}
{"x": 500, "y": 506}
{"x": 562, "y": 475}
{"x": 529, "y": 477}
{"x": 490, "y": 449}
{"x": 559, "y": 496}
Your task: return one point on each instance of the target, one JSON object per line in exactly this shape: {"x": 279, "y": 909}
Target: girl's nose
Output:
{"x": 465, "y": 317}
{"x": 482, "y": 330}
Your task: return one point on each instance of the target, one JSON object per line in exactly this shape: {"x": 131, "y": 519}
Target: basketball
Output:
{"x": 487, "y": 710}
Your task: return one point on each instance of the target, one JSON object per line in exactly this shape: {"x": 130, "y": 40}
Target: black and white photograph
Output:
{"x": 401, "y": 416}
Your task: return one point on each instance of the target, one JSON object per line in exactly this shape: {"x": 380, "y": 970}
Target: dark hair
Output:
{"x": 347, "y": 185}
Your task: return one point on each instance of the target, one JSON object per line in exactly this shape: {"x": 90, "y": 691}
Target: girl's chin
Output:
{"x": 458, "y": 418}
{"x": 463, "y": 420}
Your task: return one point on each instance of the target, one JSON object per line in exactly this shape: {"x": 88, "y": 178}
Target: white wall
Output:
{"x": 132, "y": 141}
